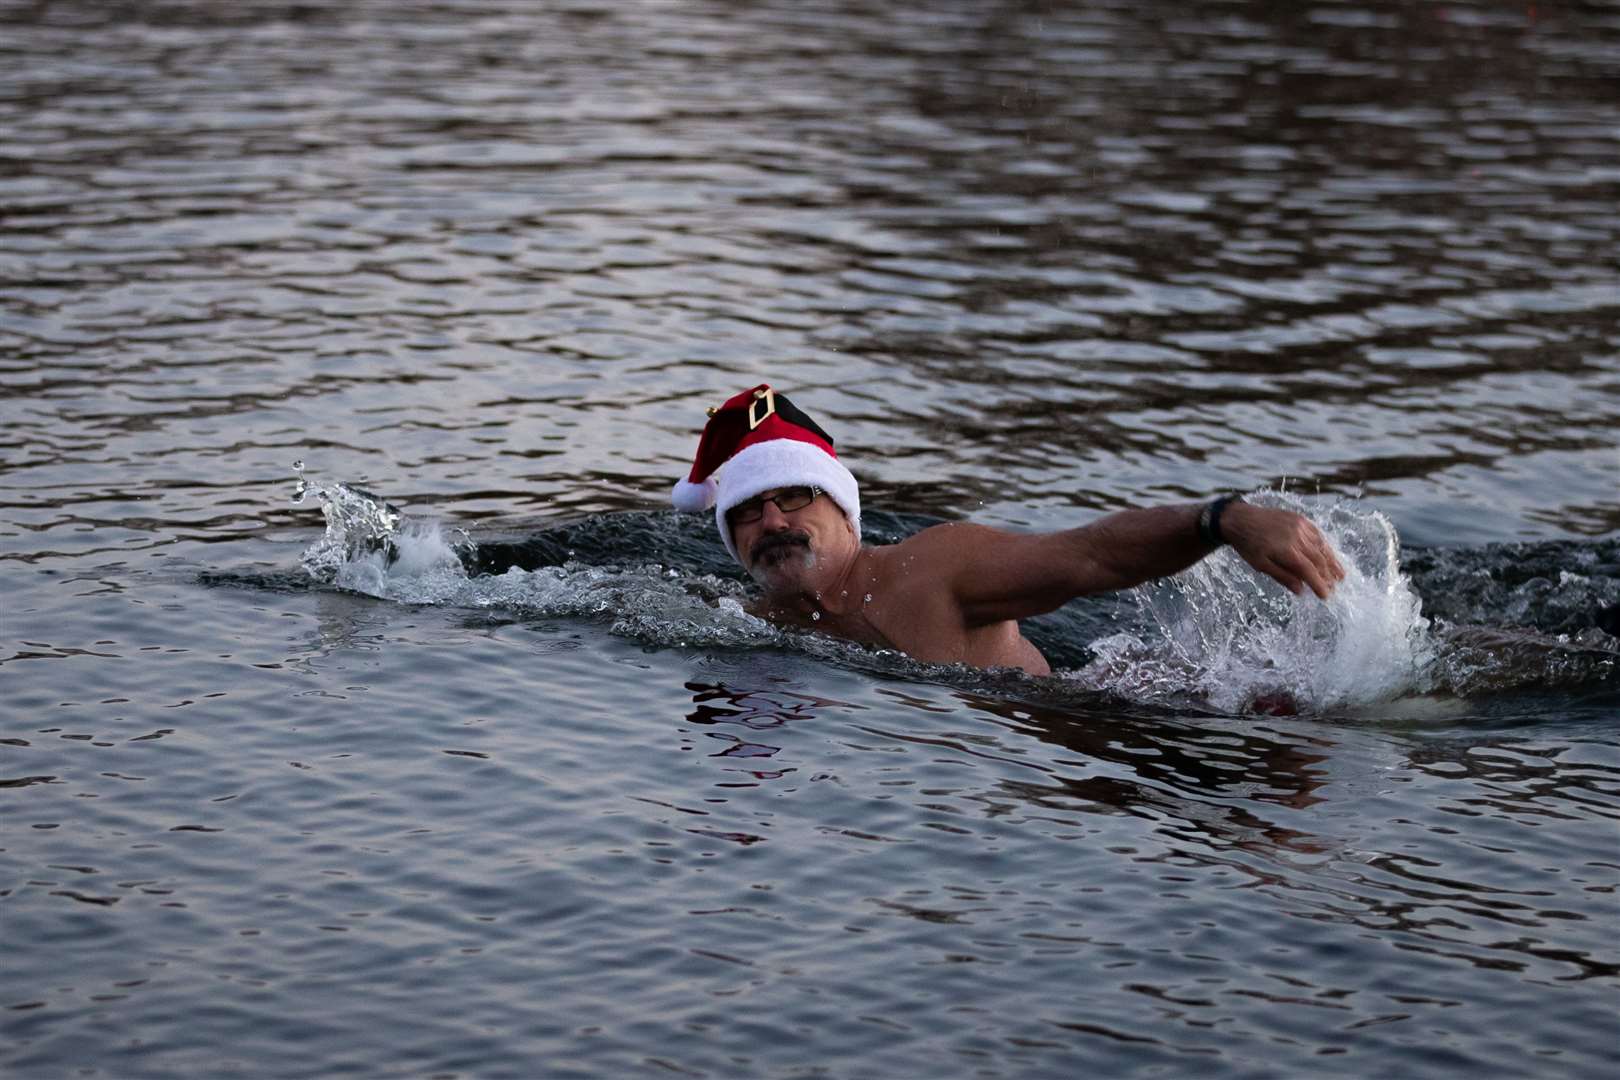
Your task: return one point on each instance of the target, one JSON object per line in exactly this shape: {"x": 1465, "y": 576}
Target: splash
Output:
{"x": 1234, "y": 638}
{"x": 358, "y": 525}
{"x": 1218, "y": 635}
{"x": 370, "y": 547}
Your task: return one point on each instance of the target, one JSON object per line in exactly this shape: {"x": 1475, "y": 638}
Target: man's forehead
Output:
{"x": 768, "y": 492}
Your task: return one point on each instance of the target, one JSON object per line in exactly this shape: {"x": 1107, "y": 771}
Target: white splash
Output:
{"x": 370, "y": 547}
{"x": 1222, "y": 632}
{"x": 1219, "y": 632}
{"x": 418, "y": 566}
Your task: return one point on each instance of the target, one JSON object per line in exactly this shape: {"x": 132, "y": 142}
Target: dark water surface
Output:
{"x": 1028, "y": 262}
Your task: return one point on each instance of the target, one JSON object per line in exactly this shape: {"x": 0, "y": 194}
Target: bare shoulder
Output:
{"x": 949, "y": 556}
{"x": 953, "y": 536}
{"x": 941, "y": 550}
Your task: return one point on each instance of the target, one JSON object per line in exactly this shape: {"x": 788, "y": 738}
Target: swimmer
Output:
{"x": 790, "y": 513}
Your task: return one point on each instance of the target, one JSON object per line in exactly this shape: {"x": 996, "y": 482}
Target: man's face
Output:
{"x": 783, "y": 549}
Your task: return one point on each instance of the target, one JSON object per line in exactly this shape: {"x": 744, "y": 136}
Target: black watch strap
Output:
{"x": 1209, "y": 519}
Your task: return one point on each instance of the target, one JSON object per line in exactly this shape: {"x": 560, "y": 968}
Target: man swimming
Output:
{"x": 789, "y": 511}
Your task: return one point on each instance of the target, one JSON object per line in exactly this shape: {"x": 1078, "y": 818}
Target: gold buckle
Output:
{"x": 768, "y": 396}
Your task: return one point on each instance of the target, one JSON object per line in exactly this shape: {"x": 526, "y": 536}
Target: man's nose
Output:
{"x": 773, "y": 520}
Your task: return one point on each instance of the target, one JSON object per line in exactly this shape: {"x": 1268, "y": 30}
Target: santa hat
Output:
{"x": 755, "y": 442}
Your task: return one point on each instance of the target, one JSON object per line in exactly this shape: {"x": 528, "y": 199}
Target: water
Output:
{"x": 503, "y": 781}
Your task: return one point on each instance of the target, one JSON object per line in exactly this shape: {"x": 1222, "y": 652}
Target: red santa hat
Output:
{"x": 757, "y": 441}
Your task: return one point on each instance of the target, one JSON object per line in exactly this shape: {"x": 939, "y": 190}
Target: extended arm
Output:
{"x": 997, "y": 575}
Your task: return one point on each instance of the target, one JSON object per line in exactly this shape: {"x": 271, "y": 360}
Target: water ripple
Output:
{"x": 1027, "y": 263}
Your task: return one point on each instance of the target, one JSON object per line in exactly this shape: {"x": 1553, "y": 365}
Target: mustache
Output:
{"x": 768, "y": 544}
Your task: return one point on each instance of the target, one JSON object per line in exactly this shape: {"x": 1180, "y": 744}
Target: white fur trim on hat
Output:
{"x": 693, "y": 498}
{"x": 783, "y": 463}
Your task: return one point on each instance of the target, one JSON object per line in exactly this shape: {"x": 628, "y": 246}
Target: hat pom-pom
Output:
{"x": 694, "y": 498}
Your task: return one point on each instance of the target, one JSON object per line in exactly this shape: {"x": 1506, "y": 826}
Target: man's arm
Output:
{"x": 997, "y": 575}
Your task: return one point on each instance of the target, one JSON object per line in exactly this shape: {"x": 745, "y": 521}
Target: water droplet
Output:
{"x": 867, "y": 599}
{"x": 815, "y": 616}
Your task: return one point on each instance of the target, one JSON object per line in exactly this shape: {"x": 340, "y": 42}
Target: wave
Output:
{"x": 1444, "y": 626}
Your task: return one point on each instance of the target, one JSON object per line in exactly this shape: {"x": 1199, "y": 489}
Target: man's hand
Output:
{"x": 1282, "y": 545}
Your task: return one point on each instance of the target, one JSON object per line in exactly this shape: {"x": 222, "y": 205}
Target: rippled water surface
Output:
{"x": 525, "y": 793}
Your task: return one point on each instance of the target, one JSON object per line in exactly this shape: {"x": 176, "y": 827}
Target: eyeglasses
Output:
{"x": 787, "y": 500}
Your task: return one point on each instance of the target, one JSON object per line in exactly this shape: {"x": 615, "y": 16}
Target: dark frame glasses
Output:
{"x": 787, "y": 500}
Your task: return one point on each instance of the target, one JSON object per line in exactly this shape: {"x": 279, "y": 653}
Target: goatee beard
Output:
{"x": 773, "y": 550}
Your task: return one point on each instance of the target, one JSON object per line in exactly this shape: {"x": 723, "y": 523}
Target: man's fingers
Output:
{"x": 1298, "y": 574}
{"x": 1328, "y": 559}
{"x": 1276, "y": 572}
{"x": 1328, "y": 572}
{"x": 1314, "y": 569}
{"x": 1320, "y": 567}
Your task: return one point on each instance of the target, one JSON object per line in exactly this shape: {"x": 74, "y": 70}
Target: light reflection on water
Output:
{"x": 492, "y": 259}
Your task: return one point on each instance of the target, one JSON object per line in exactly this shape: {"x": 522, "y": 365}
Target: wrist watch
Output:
{"x": 1209, "y": 519}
